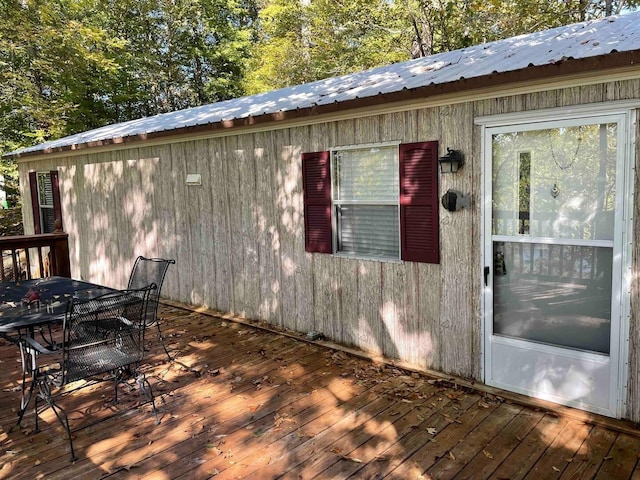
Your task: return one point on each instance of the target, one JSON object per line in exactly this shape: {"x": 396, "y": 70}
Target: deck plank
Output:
{"x": 593, "y": 454}
{"x": 432, "y": 439}
{"x": 502, "y": 445}
{"x": 98, "y": 415}
{"x": 558, "y": 454}
{"x": 530, "y": 449}
{"x": 366, "y": 440}
{"x": 474, "y": 444}
{"x": 621, "y": 458}
{"x": 244, "y": 421}
{"x": 422, "y": 418}
{"x": 232, "y": 395}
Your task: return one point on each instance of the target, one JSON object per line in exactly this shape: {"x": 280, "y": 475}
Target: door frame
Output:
{"x": 626, "y": 112}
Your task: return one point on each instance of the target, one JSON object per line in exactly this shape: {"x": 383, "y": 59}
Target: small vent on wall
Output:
{"x": 194, "y": 179}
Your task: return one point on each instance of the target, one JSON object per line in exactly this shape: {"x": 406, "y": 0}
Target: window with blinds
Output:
{"x": 45, "y": 201}
{"x": 377, "y": 202}
{"x": 365, "y": 201}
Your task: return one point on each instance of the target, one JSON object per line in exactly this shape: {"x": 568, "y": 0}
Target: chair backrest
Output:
{"x": 145, "y": 272}
{"x": 104, "y": 334}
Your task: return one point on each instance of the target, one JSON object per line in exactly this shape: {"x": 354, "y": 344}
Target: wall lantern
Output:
{"x": 451, "y": 162}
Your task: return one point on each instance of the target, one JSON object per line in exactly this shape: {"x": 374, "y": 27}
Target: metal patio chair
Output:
{"x": 145, "y": 272}
{"x": 104, "y": 335}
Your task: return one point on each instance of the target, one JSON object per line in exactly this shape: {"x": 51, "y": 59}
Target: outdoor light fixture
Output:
{"x": 451, "y": 162}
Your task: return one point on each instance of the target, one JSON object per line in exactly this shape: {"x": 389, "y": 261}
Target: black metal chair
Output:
{"x": 145, "y": 272}
{"x": 99, "y": 336}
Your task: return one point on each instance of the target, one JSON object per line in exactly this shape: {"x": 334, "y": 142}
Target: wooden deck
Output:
{"x": 246, "y": 403}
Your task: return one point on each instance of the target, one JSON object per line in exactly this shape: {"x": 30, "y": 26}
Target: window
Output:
{"x": 374, "y": 202}
{"x": 366, "y": 201}
{"x": 45, "y": 201}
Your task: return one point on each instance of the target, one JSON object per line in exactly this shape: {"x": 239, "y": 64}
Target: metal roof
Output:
{"x": 585, "y": 40}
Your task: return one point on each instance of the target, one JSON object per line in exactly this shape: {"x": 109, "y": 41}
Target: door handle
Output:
{"x": 487, "y": 270}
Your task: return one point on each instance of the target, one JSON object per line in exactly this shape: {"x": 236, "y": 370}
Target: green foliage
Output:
{"x": 178, "y": 54}
{"x": 71, "y": 65}
{"x": 302, "y": 41}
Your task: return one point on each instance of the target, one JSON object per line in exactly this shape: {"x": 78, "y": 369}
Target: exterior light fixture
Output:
{"x": 451, "y": 162}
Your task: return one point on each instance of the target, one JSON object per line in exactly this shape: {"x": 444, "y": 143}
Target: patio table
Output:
{"x": 30, "y": 305}
{"x": 27, "y": 305}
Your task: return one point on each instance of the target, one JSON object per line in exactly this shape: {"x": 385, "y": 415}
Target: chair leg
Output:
{"x": 27, "y": 358}
{"x": 64, "y": 420}
{"x": 145, "y": 387}
{"x": 161, "y": 337}
{"x": 61, "y": 415}
{"x": 25, "y": 400}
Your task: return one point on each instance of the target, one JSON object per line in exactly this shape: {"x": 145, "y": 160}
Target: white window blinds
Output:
{"x": 366, "y": 191}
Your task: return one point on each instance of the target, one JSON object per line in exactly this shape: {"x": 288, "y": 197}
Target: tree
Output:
{"x": 179, "y": 53}
{"x": 72, "y": 65}
{"x": 444, "y": 25}
{"x": 52, "y": 64}
{"x": 307, "y": 40}
{"x": 302, "y": 41}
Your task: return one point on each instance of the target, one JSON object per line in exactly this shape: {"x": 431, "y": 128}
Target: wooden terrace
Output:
{"x": 245, "y": 402}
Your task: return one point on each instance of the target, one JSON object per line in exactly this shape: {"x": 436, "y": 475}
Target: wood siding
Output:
{"x": 239, "y": 238}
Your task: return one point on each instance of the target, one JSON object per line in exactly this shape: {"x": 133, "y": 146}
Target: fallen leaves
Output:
{"x": 280, "y": 419}
{"x": 487, "y": 454}
{"x": 451, "y": 420}
{"x": 351, "y": 459}
{"x": 431, "y": 431}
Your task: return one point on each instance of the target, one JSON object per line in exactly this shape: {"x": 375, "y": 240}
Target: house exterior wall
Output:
{"x": 239, "y": 238}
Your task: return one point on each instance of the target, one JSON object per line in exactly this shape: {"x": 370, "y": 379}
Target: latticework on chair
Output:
{"x": 145, "y": 272}
{"x": 103, "y": 335}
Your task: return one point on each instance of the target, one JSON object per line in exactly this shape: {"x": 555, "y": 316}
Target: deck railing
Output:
{"x": 35, "y": 256}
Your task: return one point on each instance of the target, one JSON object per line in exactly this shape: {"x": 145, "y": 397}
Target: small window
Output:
{"x": 45, "y": 201}
{"x": 365, "y": 201}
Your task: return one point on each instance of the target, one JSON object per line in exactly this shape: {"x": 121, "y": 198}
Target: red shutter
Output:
{"x": 316, "y": 184}
{"x": 419, "y": 205}
{"x": 55, "y": 190}
{"x": 35, "y": 205}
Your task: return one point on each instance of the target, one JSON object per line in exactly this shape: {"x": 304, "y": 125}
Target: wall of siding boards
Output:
{"x": 239, "y": 238}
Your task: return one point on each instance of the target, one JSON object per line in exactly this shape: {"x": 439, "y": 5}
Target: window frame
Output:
{"x": 336, "y": 203}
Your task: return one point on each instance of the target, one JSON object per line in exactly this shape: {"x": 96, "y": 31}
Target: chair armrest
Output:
{"x": 34, "y": 345}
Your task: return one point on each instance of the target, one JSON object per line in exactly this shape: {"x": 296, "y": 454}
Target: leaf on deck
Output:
{"x": 351, "y": 459}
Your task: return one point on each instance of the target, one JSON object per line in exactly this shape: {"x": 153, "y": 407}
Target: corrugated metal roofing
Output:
{"x": 582, "y": 40}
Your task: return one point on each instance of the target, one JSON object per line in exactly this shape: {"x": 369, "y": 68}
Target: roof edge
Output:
{"x": 563, "y": 67}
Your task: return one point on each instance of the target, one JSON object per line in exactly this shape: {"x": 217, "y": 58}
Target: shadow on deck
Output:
{"x": 247, "y": 403}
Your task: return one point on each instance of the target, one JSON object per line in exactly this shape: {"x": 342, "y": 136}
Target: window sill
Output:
{"x": 367, "y": 258}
